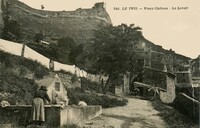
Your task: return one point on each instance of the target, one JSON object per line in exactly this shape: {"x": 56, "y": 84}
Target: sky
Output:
{"x": 173, "y": 24}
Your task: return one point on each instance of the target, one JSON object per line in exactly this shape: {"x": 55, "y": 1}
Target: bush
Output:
{"x": 5, "y": 59}
{"x": 74, "y": 78}
{"x": 187, "y": 106}
{"x": 16, "y": 90}
{"x": 40, "y": 72}
{"x": 172, "y": 117}
{"x": 105, "y": 101}
{"x": 91, "y": 86}
{"x": 10, "y": 61}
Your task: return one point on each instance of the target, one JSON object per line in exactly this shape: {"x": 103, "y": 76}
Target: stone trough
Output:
{"x": 56, "y": 116}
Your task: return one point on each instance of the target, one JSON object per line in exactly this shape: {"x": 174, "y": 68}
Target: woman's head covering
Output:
{"x": 43, "y": 88}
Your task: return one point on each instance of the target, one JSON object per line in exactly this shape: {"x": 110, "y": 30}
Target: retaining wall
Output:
{"x": 55, "y": 116}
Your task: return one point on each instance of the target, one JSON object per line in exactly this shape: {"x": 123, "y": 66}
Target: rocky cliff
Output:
{"x": 78, "y": 24}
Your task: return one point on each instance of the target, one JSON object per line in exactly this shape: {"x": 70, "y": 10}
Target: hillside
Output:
{"x": 19, "y": 78}
{"x": 78, "y": 24}
{"x": 16, "y": 76}
{"x": 54, "y": 25}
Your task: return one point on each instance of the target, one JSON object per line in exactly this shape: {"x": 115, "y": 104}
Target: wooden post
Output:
{"x": 23, "y": 50}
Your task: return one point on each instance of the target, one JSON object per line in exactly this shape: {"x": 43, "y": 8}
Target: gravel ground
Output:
{"x": 137, "y": 114}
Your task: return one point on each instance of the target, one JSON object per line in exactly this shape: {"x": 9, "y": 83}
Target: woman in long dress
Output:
{"x": 38, "y": 111}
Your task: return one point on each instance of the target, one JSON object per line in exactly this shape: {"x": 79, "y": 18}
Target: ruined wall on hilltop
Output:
{"x": 78, "y": 24}
{"x": 98, "y": 11}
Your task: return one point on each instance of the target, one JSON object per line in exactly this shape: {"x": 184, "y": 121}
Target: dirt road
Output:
{"x": 137, "y": 114}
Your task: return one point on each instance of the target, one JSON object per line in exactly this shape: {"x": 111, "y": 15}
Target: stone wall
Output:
{"x": 55, "y": 116}
{"x": 21, "y": 115}
{"x": 96, "y": 11}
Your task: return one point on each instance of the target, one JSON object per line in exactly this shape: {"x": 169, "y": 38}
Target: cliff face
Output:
{"x": 1, "y": 18}
{"x": 78, "y": 24}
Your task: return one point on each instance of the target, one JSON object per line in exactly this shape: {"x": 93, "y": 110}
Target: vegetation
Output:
{"x": 14, "y": 85}
{"x": 38, "y": 37}
{"x": 14, "y": 88}
{"x": 65, "y": 50}
{"x": 22, "y": 65}
{"x": 188, "y": 106}
{"x": 106, "y": 101}
{"x": 172, "y": 117}
{"x": 11, "y": 30}
{"x": 113, "y": 52}
{"x": 91, "y": 86}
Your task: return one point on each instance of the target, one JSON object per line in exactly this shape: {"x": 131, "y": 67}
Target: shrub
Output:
{"x": 16, "y": 90}
{"x": 74, "y": 78}
{"x": 188, "y": 106}
{"x": 10, "y": 61}
{"x": 91, "y": 86}
{"x": 5, "y": 59}
{"x": 172, "y": 117}
{"x": 40, "y": 72}
{"x": 105, "y": 101}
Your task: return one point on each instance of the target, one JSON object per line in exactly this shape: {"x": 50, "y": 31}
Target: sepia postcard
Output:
{"x": 99, "y": 64}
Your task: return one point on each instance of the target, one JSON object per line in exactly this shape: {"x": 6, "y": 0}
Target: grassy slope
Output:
{"x": 14, "y": 72}
{"x": 17, "y": 86}
{"x": 173, "y": 117}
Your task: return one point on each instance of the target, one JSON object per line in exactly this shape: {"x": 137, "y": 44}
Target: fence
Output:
{"x": 11, "y": 47}
{"x": 17, "y": 49}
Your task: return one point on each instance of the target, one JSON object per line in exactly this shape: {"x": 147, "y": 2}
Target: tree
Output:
{"x": 74, "y": 53}
{"x": 64, "y": 46}
{"x": 11, "y": 30}
{"x": 113, "y": 52}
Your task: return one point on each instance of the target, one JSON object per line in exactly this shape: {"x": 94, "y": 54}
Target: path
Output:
{"x": 137, "y": 114}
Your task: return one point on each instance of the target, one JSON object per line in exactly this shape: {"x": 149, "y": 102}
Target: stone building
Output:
{"x": 157, "y": 62}
{"x": 55, "y": 89}
{"x": 196, "y": 67}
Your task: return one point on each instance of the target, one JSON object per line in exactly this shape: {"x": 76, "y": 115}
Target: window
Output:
{"x": 57, "y": 86}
